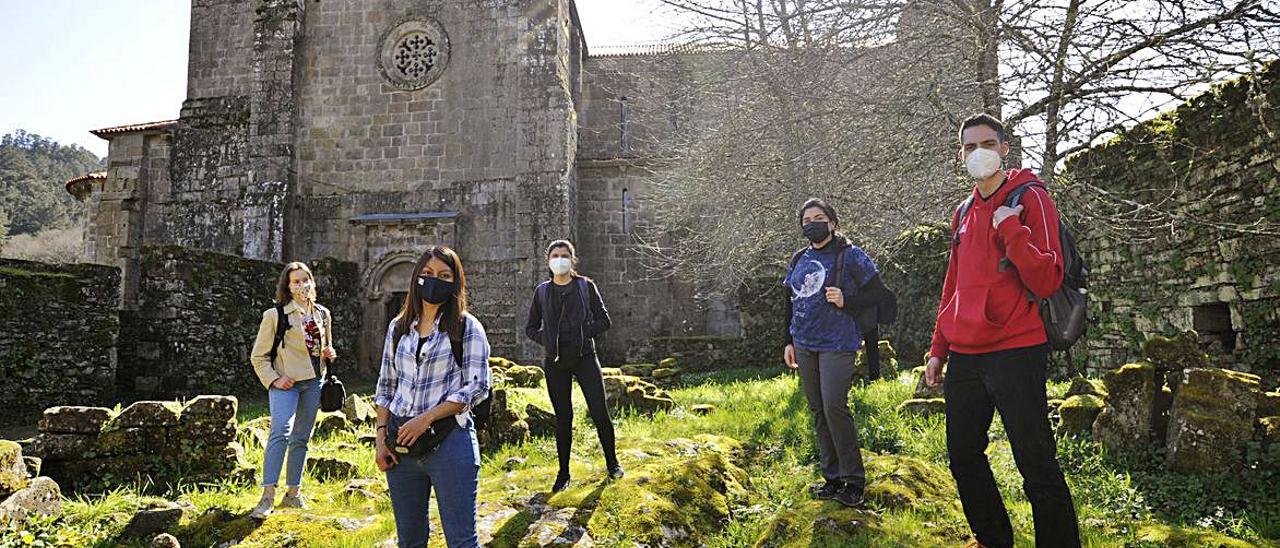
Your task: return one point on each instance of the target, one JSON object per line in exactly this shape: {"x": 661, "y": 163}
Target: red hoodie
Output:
{"x": 985, "y": 306}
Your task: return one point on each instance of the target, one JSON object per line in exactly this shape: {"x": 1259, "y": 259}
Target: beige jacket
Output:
{"x": 292, "y": 358}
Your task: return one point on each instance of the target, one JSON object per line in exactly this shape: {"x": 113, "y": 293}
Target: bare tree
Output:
{"x": 857, "y": 100}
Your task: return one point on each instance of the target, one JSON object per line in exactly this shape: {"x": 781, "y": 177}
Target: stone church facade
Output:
{"x": 365, "y": 130}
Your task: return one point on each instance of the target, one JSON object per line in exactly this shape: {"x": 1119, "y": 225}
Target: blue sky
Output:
{"x": 74, "y": 65}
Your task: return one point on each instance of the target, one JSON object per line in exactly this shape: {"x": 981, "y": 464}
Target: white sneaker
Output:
{"x": 263, "y": 509}
{"x": 293, "y": 501}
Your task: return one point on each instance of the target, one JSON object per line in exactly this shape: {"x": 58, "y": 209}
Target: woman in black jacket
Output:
{"x": 567, "y": 314}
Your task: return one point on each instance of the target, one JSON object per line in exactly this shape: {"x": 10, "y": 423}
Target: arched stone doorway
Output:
{"x": 385, "y": 284}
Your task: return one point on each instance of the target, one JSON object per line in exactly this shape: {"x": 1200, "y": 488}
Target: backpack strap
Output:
{"x": 462, "y": 343}
{"x": 960, "y": 214}
{"x": 837, "y": 275}
{"x": 282, "y": 327}
{"x": 795, "y": 258}
{"x": 1015, "y": 196}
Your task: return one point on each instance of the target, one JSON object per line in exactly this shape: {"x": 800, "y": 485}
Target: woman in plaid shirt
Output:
{"x": 422, "y": 390}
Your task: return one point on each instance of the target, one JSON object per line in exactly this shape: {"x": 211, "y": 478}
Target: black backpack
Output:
{"x": 885, "y": 312}
{"x": 1065, "y": 313}
{"x": 479, "y": 412}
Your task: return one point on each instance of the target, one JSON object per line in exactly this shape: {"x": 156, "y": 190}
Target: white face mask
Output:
{"x": 303, "y": 289}
{"x": 982, "y": 163}
{"x": 560, "y": 265}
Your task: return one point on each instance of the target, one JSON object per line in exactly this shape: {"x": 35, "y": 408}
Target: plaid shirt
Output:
{"x": 409, "y": 384}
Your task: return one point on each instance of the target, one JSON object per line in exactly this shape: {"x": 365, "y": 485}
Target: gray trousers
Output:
{"x": 826, "y": 378}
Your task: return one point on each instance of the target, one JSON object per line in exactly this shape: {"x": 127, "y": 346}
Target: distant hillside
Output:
{"x": 33, "y": 170}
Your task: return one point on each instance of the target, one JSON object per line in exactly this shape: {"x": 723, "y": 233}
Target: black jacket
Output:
{"x": 543, "y": 327}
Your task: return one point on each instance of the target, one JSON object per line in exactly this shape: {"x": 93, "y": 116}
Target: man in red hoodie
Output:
{"x": 990, "y": 334}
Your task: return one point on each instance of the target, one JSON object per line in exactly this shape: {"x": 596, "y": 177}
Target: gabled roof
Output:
{"x": 134, "y": 128}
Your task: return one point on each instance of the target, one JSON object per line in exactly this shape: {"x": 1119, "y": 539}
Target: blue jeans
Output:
{"x": 293, "y": 415}
{"x": 453, "y": 469}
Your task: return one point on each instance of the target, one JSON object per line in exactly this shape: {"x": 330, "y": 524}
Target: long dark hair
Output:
{"x": 452, "y": 311}
{"x": 283, "y": 294}
{"x": 573, "y": 256}
{"x": 829, "y": 211}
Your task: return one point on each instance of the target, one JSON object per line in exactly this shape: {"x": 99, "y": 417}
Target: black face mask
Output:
{"x": 434, "y": 290}
{"x": 816, "y": 232}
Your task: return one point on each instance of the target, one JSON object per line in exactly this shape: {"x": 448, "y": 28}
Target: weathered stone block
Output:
{"x": 148, "y": 414}
{"x": 358, "y": 410}
{"x": 1269, "y": 404}
{"x": 666, "y": 373}
{"x": 41, "y": 497}
{"x": 541, "y": 422}
{"x": 331, "y": 468}
{"x": 156, "y": 516}
{"x": 1077, "y": 413}
{"x": 202, "y": 433}
{"x": 124, "y": 441}
{"x": 13, "y": 470}
{"x": 72, "y": 419}
{"x": 702, "y": 409}
{"x": 49, "y": 446}
{"x": 524, "y": 376}
{"x": 1082, "y": 386}
{"x": 210, "y": 409}
{"x": 638, "y": 369}
{"x": 1175, "y": 353}
{"x": 923, "y": 391}
{"x": 1213, "y": 414}
{"x": 1124, "y": 425}
{"x": 330, "y": 423}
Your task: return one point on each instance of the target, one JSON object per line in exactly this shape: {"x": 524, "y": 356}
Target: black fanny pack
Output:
{"x": 425, "y": 443}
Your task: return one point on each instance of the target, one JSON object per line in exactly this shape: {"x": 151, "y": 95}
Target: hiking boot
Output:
{"x": 825, "y": 491}
{"x": 562, "y": 483}
{"x": 849, "y": 495}
{"x": 293, "y": 501}
{"x": 263, "y": 509}
{"x": 615, "y": 472}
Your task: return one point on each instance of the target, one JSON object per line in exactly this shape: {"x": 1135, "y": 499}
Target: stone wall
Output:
{"x": 1214, "y": 165}
{"x": 158, "y": 442}
{"x": 58, "y": 334}
{"x": 198, "y": 314}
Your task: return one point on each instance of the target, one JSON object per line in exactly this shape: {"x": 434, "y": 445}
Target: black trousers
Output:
{"x": 560, "y": 377}
{"x": 1013, "y": 383}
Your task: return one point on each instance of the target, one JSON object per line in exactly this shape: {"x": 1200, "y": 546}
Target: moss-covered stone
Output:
{"x": 541, "y": 422}
{"x": 74, "y": 419}
{"x": 1077, "y": 413}
{"x": 1269, "y": 429}
{"x": 64, "y": 446}
{"x": 1085, "y": 386}
{"x": 1212, "y": 415}
{"x": 145, "y": 414}
{"x": 210, "y": 408}
{"x": 923, "y": 407}
{"x": 668, "y": 363}
{"x": 1173, "y": 536}
{"x": 506, "y": 426}
{"x": 899, "y": 481}
{"x": 673, "y": 501}
{"x": 328, "y": 424}
{"x": 1124, "y": 425}
{"x": 13, "y": 470}
{"x": 1269, "y": 404}
{"x": 666, "y": 373}
{"x": 1175, "y": 353}
{"x": 816, "y": 523}
{"x": 331, "y": 468}
{"x": 40, "y": 497}
{"x": 628, "y": 392}
{"x": 638, "y": 369}
{"x": 524, "y": 376}
{"x": 923, "y": 391}
{"x": 125, "y": 441}
{"x": 611, "y": 371}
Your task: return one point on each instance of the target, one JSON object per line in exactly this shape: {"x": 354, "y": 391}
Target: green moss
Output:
{"x": 896, "y": 481}
{"x": 24, "y": 273}
{"x": 815, "y": 523}
{"x": 672, "y": 502}
{"x": 1172, "y": 536}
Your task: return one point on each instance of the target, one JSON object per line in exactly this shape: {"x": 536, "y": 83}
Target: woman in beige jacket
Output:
{"x": 292, "y": 372}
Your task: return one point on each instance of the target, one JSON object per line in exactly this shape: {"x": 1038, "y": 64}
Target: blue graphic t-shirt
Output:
{"x": 817, "y": 325}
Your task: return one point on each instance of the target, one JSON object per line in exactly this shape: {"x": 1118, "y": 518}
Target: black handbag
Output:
{"x": 332, "y": 394}
{"x": 425, "y": 443}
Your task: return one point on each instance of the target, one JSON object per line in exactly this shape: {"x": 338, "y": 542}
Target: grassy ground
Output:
{"x": 1120, "y": 504}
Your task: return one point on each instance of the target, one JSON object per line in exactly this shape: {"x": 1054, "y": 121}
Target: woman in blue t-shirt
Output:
{"x": 828, "y": 281}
